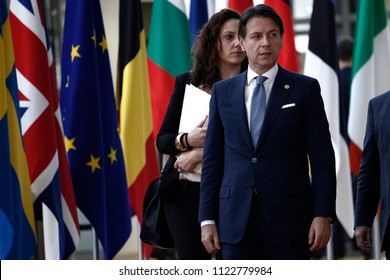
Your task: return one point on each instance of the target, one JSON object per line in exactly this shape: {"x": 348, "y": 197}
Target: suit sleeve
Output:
{"x": 368, "y": 189}
{"x": 212, "y": 163}
{"x": 321, "y": 155}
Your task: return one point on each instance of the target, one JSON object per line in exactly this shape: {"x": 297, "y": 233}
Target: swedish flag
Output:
{"x": 17, "y": 226}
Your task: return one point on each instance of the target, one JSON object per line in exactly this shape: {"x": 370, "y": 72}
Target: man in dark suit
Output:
{"x": 373, "y": 186}
{"x": 257, "y": 198}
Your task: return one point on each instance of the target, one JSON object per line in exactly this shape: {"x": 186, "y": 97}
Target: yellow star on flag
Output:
{"x": 112, "y": 155}
{"x": 93, "y": 38}
{"x": 67, "y": 81}
{"x": 103, "y": 44}
{"x": 75, "y": 52}
{"x": 94, "y": 163}
{"x": 69, "y": 144}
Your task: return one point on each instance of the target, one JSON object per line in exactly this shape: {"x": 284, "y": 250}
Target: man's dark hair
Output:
{"x": 260, "y": 10}
{"x": 345, "y": 48}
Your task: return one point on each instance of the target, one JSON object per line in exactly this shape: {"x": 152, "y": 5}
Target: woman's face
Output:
{"x": 229, "y": 49}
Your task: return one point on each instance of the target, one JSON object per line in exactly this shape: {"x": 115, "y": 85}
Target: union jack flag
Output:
{"x": 51, "y": 181}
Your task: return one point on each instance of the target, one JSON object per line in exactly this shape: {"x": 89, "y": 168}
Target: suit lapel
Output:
{"x": 280, "y": 92}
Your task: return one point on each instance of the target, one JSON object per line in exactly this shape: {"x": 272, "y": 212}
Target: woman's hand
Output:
{"x": 188, "y": 160}
{"x": 197, "y": 136}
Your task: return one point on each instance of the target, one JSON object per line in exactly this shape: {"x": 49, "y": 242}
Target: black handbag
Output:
{"x": 154, "y": 228}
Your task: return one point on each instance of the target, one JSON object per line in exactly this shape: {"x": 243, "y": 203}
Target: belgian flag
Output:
{"x": 135, "y": 114}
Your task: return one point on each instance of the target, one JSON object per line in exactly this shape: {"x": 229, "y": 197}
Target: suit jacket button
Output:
{"x": 254, "y": 160}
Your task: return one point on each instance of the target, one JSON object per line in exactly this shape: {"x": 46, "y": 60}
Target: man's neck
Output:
{"x": 345, "y": 64}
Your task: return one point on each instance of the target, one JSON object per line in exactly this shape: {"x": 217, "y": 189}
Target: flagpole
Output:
{"x": 95, "y": 248}
{"x": 141, "y": 255}
{"x": 329, "y": 247}
{"x": 376, "y": 240}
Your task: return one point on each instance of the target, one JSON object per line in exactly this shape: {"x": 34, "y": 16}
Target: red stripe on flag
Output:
{"x": 161, "y": 88}
{"x": 138, "y": 189}
{"x": 240, "y": 5}
{"x": 288, "y": 57}
{"x": 38, "y": 155}
{"x": 354, "y": 157}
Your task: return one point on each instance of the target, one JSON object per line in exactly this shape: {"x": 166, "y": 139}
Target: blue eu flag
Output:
{"x": 91, "y": 126}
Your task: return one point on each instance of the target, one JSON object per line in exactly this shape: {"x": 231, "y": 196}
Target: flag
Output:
{"x": 49, "y": 171}
{"x": 136, "y": 128}
{"x": 240, "y": 5}
{"x": 17, "y": 222}
{"x": 288, "y": 57}
{"x": 168, "y": 53}
{"x": 370, "y": 68}
{"x": 322, "y": 63}
{"x": 91, "y": 126}
{"x": 198, "y": 16}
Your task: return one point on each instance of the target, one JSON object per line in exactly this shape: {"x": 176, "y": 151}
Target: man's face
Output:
{"x": 262, "y": 43}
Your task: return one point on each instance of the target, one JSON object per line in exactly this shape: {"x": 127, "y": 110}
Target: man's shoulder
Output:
{"x": 294, "y": 76}
{"x": 384, "y": 97}
{"x": 380, "y": 103}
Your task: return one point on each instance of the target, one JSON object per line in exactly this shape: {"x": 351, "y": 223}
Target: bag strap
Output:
{"x": 169, "y": 164}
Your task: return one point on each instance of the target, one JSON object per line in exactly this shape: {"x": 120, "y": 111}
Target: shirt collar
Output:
{"x": 270, "y": 74}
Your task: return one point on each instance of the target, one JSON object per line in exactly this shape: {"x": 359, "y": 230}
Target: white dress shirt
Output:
{"x": 251, "y": 84}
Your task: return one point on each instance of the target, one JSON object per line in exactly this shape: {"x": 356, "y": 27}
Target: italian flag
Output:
{"x": 168, "y": 53}
{"x": 370, "y": 70}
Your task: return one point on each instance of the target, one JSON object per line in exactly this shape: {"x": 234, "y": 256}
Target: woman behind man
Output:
{"x": 217, "y": 55}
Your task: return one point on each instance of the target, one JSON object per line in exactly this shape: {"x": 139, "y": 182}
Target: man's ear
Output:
{"x": 242, "y": 44}
{"x": 281, "y": 47}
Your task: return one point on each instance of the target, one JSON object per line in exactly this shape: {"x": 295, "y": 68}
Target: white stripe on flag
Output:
{"x": 50, "y": 229}
{"x": 326, "y": 76}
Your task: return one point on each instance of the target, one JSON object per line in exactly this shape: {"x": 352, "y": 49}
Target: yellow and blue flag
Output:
{"x": 17, "y": 224}
{"x": 90, "y": 124}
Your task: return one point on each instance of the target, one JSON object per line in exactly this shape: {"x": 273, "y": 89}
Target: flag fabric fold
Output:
{"x": 370, "y": 68}
{"x": 240, "y": 5}
{"x": 51, "y": 182}
{"x": 288, "y": 57}
{"x": 198, "y": 16}
{"x": 168, "y": 53}
{"x": 17, "y": 221}
{"x": 322, "y": 63}
{"x": 91, "y": 126}
{"x": 135, "y": 113}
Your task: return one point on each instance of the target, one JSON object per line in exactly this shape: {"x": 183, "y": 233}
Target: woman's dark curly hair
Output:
{"x": 204, "y": 51}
